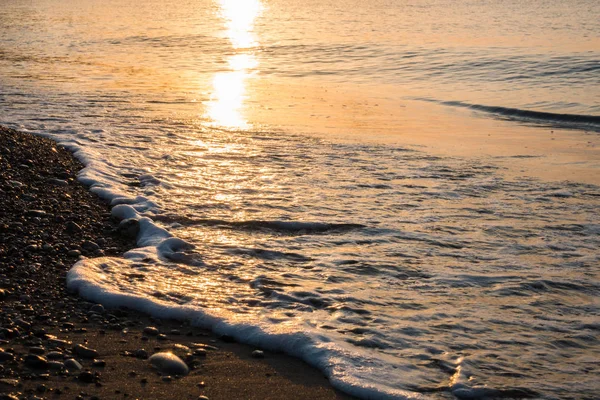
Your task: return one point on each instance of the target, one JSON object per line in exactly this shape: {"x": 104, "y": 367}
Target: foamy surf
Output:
{"x": 105, "y": 280}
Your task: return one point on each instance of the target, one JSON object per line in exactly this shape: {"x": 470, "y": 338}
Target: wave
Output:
{"x": 580, "y": 121}
{"x": 290, "y": 227}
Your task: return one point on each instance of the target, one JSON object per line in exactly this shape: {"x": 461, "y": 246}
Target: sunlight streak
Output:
{"x": 226, "y": 104}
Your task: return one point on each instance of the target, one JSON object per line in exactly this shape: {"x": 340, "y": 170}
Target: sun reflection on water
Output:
{"x": 226, "y": 104}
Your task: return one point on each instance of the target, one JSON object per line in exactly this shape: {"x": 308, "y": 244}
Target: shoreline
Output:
{"x": 48, "y": 221}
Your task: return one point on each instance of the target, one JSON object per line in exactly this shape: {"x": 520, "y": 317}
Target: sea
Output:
{"x": 262, "y": 147}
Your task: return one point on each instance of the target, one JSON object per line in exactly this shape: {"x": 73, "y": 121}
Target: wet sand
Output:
{"x": 48, "y": 220}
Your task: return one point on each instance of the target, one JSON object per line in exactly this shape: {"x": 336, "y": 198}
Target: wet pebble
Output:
{"x": 85, "y": 352}
{"x": 169, "y": 364}
{"x": 258, "y": 354}
{"x": 35, "y": 361}
{"x": 72, "y": 365}
{"x": 6, "y": 356}
{"x": 141, "y": 353}
{"x": 56, "y": 365}
{"x": 99, "y": 364}
{"x": 98, "y": 308}
{"x": 90, "y": 246}
{"x": 37, "y": 350}
{"x": 151, "y": 331}
{"x": 55, "y": 355}
{"x": 74, "y": 253}
{"x": 72, "y": 227}
{"x": 86, "y": 376}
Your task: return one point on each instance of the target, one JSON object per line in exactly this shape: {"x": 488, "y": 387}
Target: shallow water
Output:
{"x": 398, "y": 272}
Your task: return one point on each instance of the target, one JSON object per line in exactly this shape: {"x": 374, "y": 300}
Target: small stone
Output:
{"x": 36, "y": 213}
{"x": 90, "y": 246}
{"x": 202, "y": 398}
{"x": 99, "y": 364}
{"x": 35, "y": 361}
{"x": 56, "y": 365}
{"x": 98, "y": 308}
{"x": 74, "y": 253}
{"x": 169, "y": 364}
{"x": 258, "y": 354}
{"x": 162, "y": 336}
{"x": 85, "y": 352}
{"x": 130, "y": 228}
{"x": 58, "y": 182}
{"x": 200, "y": 353}
{"x": 141, "y": 353}
{"x": 55, "y": 355}
{"x": 72, "y": 227}
{"x": 72, "y": 365}
{"x": 37, "y": 350}
{"x": 86, "y": 376}
{"x": 9, "y": 382}
{"x": 6, "y": 356}
{"x": 167, "y": 378}
{"x": 151, "y": 331}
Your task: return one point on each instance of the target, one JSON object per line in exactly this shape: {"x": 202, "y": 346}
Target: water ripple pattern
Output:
{"x": 398, "y": 273}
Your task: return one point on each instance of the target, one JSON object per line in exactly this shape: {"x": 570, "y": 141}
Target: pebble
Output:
{"x": 72, "y": 227}
{"x": 98, "y": 308}
{"x": 86, "y": 376}
{"x": 55, "y": 355}
{"x": 202, "y": 398}
{"x": 9, "y": 382}
{"x": 37, "y": 350}
{"x": 56, "y": 365}
{"x": 6, "y": 356}
{"x": 99, "y": 363}
{"x": 72, "y": 365}
{"x": 129, "y": 228}
{"x": 90, "y": 246}
{"x": 151, "y": 331}
{"x": 35, "y": 361}
{"x": 58, "y": 182}
{"x": 74, "y": 253}
{"x": 258, "y": 354}
{"x": 85, "y": 352}
{"x": 36, "y": 213}
{"x": 141, "y": 353}
{"x": 200, "y": 353}
{"x": 169, "y": 363}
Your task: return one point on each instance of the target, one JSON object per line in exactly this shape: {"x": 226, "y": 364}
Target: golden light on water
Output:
{"x": 239, "y": 18}
{"x": 226, "y": 104}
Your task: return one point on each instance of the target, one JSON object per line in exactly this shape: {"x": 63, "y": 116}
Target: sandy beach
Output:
{"x": 53, "y": 344}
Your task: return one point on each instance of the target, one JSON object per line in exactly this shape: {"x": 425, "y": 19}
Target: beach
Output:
{"x": 400, "y": 195}
{"x": 48, "y": 221}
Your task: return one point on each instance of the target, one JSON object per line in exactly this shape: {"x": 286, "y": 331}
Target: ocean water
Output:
{"x": 398, "y": 272}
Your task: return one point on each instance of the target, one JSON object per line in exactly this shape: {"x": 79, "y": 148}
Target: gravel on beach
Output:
{"x": 54, "y": 344}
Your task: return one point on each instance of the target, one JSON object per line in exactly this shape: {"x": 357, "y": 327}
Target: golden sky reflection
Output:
{"x": 226, "y": 104}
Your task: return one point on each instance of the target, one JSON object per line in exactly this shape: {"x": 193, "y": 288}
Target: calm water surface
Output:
{"x": 397, "y": 272}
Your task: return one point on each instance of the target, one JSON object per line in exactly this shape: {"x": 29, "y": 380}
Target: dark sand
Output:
{"x": 47, "y": 219}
